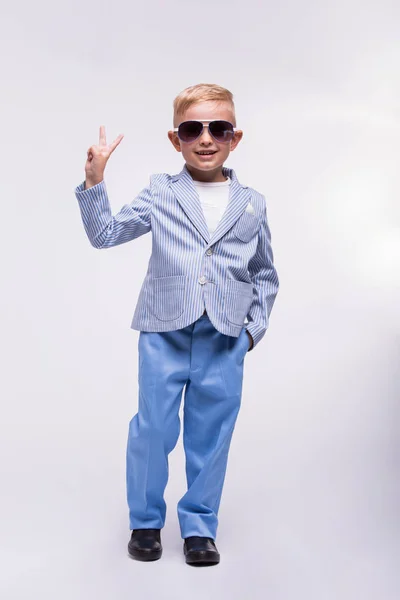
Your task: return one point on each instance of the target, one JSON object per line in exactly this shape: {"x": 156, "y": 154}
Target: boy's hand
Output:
{"x": 251, "y": 340}
{"x": 98, "y": 157}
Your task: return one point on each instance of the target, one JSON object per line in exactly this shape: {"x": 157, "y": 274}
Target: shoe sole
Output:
{"x": 144, "y": 555}
{"x": 201, "y": 557}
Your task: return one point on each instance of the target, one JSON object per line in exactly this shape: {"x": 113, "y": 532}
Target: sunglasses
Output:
{"x": 221, "y": 131}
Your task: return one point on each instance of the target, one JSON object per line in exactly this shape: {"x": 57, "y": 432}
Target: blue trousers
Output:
{"x": 209, "y": 365}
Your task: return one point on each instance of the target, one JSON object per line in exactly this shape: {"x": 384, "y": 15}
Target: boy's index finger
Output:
{"x": 102, "y": 136}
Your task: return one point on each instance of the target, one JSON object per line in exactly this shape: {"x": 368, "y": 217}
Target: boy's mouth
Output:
{"x": 206, "y": 152}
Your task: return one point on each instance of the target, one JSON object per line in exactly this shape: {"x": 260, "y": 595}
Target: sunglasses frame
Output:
{"x": 208, "y": 121}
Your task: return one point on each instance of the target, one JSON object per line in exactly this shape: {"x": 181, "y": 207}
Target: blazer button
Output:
{"x": 202, "y": 279}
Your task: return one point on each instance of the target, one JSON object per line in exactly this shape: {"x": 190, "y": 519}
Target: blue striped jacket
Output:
{"x": 230, "y": 274}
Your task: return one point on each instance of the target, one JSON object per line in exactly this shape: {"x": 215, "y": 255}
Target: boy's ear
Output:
{"x": 236, "y": 139}
{"x": 175, "y": 140}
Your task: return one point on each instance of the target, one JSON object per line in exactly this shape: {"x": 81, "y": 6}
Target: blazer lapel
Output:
{"x": 186, "y": 193}
{"x": 183, "y": 187}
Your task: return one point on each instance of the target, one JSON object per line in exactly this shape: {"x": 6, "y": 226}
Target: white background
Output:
{"x": 311, "y": 503}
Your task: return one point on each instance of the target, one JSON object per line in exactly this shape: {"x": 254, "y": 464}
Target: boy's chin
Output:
{"x": 205, "y": 165}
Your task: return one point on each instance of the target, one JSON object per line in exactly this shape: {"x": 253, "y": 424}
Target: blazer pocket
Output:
{"x": 167, "y": 295}
{"x": 246, "y": 227}
{"x": 238, "y": 296}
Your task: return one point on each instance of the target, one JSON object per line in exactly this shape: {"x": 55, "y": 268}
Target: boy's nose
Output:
{"x": 205, "y": 136}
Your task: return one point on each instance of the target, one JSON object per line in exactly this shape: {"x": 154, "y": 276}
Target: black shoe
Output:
{"x": 145, "y": 544}
{"x": 200, "y": 551}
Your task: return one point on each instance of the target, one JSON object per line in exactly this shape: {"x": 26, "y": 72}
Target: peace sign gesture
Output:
{"x": 98, "y": 157}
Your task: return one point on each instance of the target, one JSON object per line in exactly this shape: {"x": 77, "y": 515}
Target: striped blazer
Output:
{"x": 230, "y": 274}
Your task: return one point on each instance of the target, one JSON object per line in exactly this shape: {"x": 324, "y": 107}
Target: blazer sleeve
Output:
{"x": 105, "y": 230}
{"x": 266, "y": 283}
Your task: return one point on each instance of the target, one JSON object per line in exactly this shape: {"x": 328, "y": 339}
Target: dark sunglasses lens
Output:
{"x": 188, "y": 131}
{"x": 222, "y": 131}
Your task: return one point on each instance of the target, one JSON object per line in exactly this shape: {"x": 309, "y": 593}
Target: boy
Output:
{"x": 211, "y": 267}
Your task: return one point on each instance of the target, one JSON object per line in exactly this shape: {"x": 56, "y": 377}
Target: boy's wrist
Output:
{"x": 92, "y": 182}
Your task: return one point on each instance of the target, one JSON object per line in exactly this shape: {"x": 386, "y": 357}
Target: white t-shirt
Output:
{"x": 214, "y": 198}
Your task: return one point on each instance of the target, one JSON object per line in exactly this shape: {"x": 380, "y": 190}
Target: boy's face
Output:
{"x": 200, "y": 112}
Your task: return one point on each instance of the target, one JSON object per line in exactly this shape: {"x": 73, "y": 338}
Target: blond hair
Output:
{"x": 199, "y": 93}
